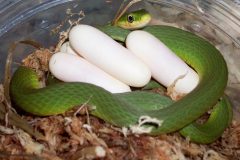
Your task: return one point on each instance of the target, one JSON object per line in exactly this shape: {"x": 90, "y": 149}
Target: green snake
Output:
{"x": 150, "y": 112}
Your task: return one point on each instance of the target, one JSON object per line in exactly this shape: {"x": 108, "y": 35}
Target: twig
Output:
{"x": 118, "y": 12}
{"x": 63, "y": 38}
{"x": 7, "y": 113}
{"x": 9, "y": 61}
{"x": 7, "y": 74}
{"x": 124, "y": 10}
{"x": 82, "y": 106}
{"x": 64, "y": 34}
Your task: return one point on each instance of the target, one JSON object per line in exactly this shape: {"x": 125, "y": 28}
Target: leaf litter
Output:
{"x": 77, "y": 135}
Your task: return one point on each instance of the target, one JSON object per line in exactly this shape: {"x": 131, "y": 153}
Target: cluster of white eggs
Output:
{"x": 93, "y": 57}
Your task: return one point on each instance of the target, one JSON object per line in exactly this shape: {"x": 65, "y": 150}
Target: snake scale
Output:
{"x": 130, "y": 109}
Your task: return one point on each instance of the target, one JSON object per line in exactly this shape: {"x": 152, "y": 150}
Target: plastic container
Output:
{"x": 217, "y": 21}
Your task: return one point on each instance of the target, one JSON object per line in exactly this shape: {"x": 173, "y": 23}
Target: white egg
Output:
{"x": 66, "y": 48}
{"x": 72, "y": 68}
{"x": 107, "y": 54}
{"x": 166, "y": 67}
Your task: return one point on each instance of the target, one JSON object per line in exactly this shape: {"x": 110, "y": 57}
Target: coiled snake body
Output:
{"x": 125, "y": 110}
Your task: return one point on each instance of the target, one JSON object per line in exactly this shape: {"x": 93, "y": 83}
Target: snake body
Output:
{"x": 124, "y": 111}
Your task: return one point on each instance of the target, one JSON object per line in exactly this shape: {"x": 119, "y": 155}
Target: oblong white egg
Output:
{"x": 107, "y": 54}
{"x": 72, "y": 68}
{"x": 166, "y": 67}
{"x": 66, "y": 48}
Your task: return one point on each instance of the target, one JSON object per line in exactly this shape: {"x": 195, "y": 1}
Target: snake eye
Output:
{"x": 130, "y": 18}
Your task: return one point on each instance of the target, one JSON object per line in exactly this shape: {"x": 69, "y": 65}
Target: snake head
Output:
{"x": 134, "y": 20}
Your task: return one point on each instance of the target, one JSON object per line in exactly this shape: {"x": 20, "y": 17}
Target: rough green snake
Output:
{"x": 148, "y": 112}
